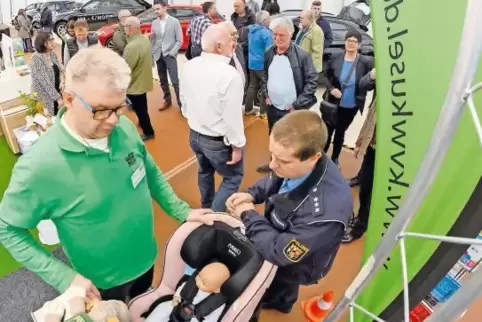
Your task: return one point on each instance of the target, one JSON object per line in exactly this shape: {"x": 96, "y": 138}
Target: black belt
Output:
{"x": 214, "y": 138}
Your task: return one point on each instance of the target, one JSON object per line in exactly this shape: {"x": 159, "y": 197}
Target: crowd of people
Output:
{"x": 92, "y": 175}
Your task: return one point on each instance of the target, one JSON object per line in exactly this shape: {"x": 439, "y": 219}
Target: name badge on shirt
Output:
{"x": 138, "y": 175}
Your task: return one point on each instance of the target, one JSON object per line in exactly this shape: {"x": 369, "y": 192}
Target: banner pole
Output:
{"x": 464, "y": 72}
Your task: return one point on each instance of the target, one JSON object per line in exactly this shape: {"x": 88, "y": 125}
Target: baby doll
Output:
{"x": 81, "y": 311}
{"x": 209, "y": 281}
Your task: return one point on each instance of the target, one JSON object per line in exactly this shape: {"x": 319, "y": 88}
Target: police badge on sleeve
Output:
{"x": 295, "y": 251}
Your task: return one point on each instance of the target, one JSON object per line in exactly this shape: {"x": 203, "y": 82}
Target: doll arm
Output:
{"x": 176, "y": 299}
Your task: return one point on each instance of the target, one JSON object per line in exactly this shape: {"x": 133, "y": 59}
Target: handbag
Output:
{"x": 329, "y": 110}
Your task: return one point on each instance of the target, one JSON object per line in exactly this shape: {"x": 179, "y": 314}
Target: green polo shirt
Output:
{"x": 100, "y": 202}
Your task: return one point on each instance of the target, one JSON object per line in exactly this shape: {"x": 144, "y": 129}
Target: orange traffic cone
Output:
{"x": 318, "y": 307}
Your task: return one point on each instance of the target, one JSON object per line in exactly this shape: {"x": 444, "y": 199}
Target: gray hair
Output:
{"x": 133, "y": 22}
{"x": 283, "y": 22}
{"x": 211, "y": 37}
{"x": 228, "y": 24}
{"x": 262, "y": 16}
{"x": 310, "y": 14}
{"x": 124, "y": 13}
{"x": 101, "y": 63}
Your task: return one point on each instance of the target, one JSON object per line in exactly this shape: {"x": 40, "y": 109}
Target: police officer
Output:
{"x": 307, "y": 208}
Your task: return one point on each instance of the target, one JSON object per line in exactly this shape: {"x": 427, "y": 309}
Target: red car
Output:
{"x": 184, "y": 13}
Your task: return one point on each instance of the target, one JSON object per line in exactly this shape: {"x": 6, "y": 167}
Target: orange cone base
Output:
{"x": 309, "y": 314}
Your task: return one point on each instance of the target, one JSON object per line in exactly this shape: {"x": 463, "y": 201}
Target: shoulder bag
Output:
{"x": 329, "y": 110}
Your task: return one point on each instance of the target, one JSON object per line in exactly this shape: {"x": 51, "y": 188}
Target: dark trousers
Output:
{"x": 367, "y": 172}
{"x": 196, "y": 51}
{"x": 280, "y": 295}
{"x": 274, "y": 115}
{"x": 139, "y": 105}
{"x": 27, "y": 44}
{"x": 167, "y": 64}
{"x": 345, "y": 117}
{"x": 212, "y": 155}
{"x": 129, "y": 290}
{"x": 255, "y": 77}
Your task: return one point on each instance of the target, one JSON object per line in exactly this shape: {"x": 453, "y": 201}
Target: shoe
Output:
{"x": 248, "y": 113}
{"x": 263, "y": 116}
{"x": 352, "y": 222}
{"x": 285, "y": 310}
{"x": 353, "y": 182}
{"x": 348, "y": 238}
{"x": 147, "y": 137}
{"x": 166, "y": 105}
{"x": 263, "y": 169}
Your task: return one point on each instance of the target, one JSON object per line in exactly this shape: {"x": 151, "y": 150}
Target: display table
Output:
{"x": 11, "y": 84}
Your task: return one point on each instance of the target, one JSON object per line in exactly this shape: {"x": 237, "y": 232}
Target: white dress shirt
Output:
{"x": 212, "y": 98}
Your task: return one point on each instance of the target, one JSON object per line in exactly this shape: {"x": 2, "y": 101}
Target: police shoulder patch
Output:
{"x": 295, "y": 251}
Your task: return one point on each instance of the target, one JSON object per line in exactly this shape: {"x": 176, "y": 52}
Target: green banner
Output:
{"x": 416, "y": 46}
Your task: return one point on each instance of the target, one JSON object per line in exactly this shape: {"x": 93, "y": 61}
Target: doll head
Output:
{"x": 110, "y": 311}
{"x": 212, "y": 277}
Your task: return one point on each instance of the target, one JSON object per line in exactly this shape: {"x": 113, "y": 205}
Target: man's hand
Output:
{"x": 236, "y": 156}
{"x": 336, "y": 93}
{"x": 239, "y": 209}
{"x": 267, "y": 101}
{"x": 373, "y": 74}
{"x": 237, "y": 199}
{"x": 290, "y": 108}
{"x": 90, "y": 290}
{"x": 204, "y": 216}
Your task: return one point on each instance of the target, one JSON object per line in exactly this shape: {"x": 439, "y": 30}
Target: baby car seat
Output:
{"x": 197, "y": 245}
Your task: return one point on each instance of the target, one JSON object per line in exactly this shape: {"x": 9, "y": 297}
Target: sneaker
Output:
{"x": 252, "y": 112}
{"x": 263, "y": 116}
{"x": 348, "y": 238}
{"x": 147, "y": 137}
{"x": 355, "y": 181}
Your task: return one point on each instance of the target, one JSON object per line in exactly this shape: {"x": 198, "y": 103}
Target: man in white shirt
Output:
{"x": 212, "y": 97}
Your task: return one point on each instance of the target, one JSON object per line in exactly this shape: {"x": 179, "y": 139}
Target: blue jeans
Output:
{"x": 212, "y": 155}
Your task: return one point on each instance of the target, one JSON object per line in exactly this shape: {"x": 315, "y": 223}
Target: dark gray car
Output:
{"x": 33, "y": 10}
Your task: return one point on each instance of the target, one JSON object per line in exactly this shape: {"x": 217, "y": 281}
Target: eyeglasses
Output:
{"x": 352, "y": 41}
{"x": 104, "y": 114}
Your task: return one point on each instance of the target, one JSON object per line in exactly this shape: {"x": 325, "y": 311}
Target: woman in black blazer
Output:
{"x": 348, "y": 95}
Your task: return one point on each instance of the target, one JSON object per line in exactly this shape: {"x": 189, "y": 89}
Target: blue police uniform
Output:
{"x": 301, "y": 230}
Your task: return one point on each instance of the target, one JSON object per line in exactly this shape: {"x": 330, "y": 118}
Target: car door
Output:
{"x": 96, "y": 13}
{"x": 184, "y": 15}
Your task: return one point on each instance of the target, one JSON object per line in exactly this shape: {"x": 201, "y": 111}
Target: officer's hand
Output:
{"x": 205, "y": 216}
{"x": 238, "y": 198}
{"x": 239, "y": 209}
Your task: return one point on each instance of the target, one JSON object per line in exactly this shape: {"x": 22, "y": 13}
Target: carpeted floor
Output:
{"x": 6, "y": 165}
{"x": 20, "y": 290}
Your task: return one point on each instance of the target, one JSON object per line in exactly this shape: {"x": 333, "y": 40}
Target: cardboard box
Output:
{"x": 12, "y": 118}
{"x": 8, "y": 105}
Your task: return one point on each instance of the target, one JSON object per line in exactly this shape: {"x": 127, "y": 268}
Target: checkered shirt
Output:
{"x": 197, "y": 27}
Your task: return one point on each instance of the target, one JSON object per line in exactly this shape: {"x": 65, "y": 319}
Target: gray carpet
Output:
{"x": 23, "y": 292}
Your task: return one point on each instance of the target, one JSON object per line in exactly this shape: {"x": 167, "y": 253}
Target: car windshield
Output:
{"x": 147, "y": 15}
{"x": 354, "y": 14}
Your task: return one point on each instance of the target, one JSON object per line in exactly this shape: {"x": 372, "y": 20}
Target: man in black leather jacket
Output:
{"x": 290, "y": 79}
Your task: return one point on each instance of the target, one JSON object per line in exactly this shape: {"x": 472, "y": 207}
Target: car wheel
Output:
{"x": 109, "y": 43}
{"x": 61, "y": 28}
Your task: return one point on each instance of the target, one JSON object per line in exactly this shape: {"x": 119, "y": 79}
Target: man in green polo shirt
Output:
{"x": 92, "y": 175}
